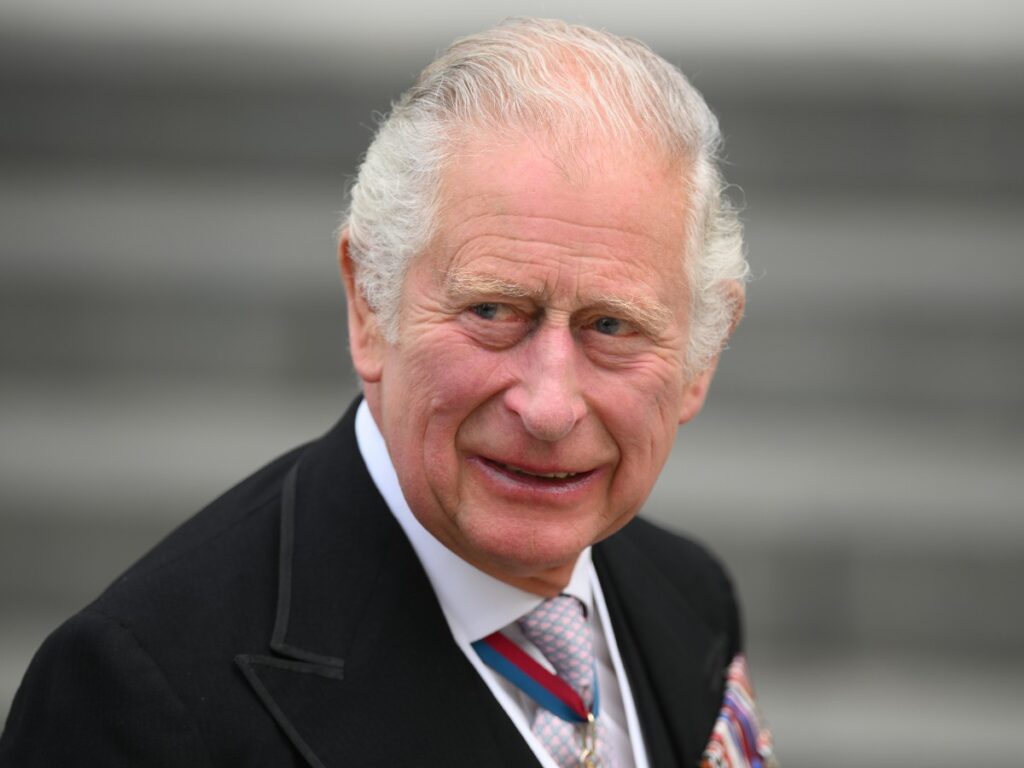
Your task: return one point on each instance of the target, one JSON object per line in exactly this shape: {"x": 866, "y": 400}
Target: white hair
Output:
{"x": 567, "y": 80}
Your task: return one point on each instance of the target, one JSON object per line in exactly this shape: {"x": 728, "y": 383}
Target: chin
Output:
{"x": 524, "y": 550}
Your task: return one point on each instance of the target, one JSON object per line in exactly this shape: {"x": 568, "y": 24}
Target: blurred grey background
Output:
{"x": 170, "y": 318}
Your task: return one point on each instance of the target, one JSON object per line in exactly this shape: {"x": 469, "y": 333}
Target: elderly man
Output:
{"x": 541, "y": 269}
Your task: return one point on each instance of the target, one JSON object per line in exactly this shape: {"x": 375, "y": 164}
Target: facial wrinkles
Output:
{"x": 556, "y": 255}
{"x": 643, "y": 457}
{"x": 566, "y": 288}
{"x": 491, "y": 215}
{"x": 567, "y": 284}
{"x": 559, "y": 282}
{"x": 526, "y": 232}
{"x": 528, "y": 227}
{"x": 579, "y": 241}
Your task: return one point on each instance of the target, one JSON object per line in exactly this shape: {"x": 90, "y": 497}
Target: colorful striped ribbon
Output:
{"x": 525, "y": 673}
{"x": 738, "y": 739}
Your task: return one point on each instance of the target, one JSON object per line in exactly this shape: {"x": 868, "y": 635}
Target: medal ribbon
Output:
{"x": 739, "y": 713}
{"x": 525, "y": 673}
{"x": 738, "y": 739}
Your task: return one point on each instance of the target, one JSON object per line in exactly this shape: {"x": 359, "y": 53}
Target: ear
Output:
{"x": 364, "y": 337}
{"x": 696, "y": 392}
{"x": 696, "y": 389}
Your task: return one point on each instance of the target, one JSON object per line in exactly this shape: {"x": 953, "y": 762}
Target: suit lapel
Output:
{"x": 674, "y": 661}
{"x": 366, "y": 671}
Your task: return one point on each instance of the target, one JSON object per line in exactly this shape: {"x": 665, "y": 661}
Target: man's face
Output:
{"x": 538, "y": 379}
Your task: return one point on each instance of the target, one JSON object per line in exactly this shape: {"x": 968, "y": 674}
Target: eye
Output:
{"x": 485, "y": 311}
{"x": 611, "y": 326}
{"x": 495, "y": 324}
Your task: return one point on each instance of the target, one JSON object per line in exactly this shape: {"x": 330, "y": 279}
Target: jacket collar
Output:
{"x": 674, "y": 658}
{"x": 365, "y": 670}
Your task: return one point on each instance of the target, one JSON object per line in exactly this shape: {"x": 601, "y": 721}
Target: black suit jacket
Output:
{"x": 291, "y": 624}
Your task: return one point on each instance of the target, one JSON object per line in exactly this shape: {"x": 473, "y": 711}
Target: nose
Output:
{"x": 546, "y": 395}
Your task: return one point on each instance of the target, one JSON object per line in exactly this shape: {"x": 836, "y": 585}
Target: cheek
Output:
{"x": 641, "y": 412}
{"x": 440, "y": 388}
{"x": 452, "y": 375}
{"x": 646, "y": 394}
{"x": 448, "y": 384}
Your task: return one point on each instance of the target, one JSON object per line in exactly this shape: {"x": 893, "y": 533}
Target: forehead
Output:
{"x": 616, "y": 182}
{"x": 518, "y": 209}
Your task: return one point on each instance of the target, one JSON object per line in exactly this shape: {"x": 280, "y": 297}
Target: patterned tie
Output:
{"x": 559, "y": 629}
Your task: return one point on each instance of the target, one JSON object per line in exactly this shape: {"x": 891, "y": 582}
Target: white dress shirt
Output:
{"x": 476, "y": 604}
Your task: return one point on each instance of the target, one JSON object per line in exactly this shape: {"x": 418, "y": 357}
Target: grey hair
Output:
{"x": 569, "y": 80}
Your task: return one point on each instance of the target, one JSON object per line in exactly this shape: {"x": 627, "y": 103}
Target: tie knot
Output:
{"x": 559, "y": 629}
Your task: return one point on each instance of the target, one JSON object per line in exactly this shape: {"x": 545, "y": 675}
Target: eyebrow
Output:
{"x": 460, "y": 284}
{"x": 650, "y": 315}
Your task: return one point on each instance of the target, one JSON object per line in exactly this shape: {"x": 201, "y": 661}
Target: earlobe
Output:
{"x": 696, "y": 389}
{"x": 364, "y": 337}
{"x": 696, "y": 392}
{"x": 737, "y": 299}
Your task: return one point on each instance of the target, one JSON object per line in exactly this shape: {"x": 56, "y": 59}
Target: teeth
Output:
{"x": 547, "y": 475}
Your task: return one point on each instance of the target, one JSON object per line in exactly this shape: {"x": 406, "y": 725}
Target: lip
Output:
{"x": 532, "y": 469}
{"x": 529, "y": 487}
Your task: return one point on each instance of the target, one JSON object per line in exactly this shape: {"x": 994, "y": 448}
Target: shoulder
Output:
{"x": 144, "y": 674}
{"x": 645, "y": 556}
{"x": 209, "y": 555}
{"x": 682, "y": 559}
{"x": 93, "y": 692}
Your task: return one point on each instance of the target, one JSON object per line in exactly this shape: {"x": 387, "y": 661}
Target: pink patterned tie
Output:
{"x": 559, "y": 629}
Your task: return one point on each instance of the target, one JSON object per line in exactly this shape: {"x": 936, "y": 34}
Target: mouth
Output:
{"x": 543, "y": 475}
{"x": 538, "y": 476}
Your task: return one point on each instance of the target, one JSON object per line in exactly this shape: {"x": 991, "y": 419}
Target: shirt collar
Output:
{"x": 475, "y": 603}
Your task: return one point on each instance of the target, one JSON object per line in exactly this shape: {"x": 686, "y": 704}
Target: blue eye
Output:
{"x": 608, "y": 325}
{"x": 487, "y": 311}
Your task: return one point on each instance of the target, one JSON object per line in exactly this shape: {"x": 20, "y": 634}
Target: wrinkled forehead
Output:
{"x": 510, "y": 202}
{"x": 491, "y": 173}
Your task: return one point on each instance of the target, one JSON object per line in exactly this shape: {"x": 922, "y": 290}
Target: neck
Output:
{"x": 547, "y": 583}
